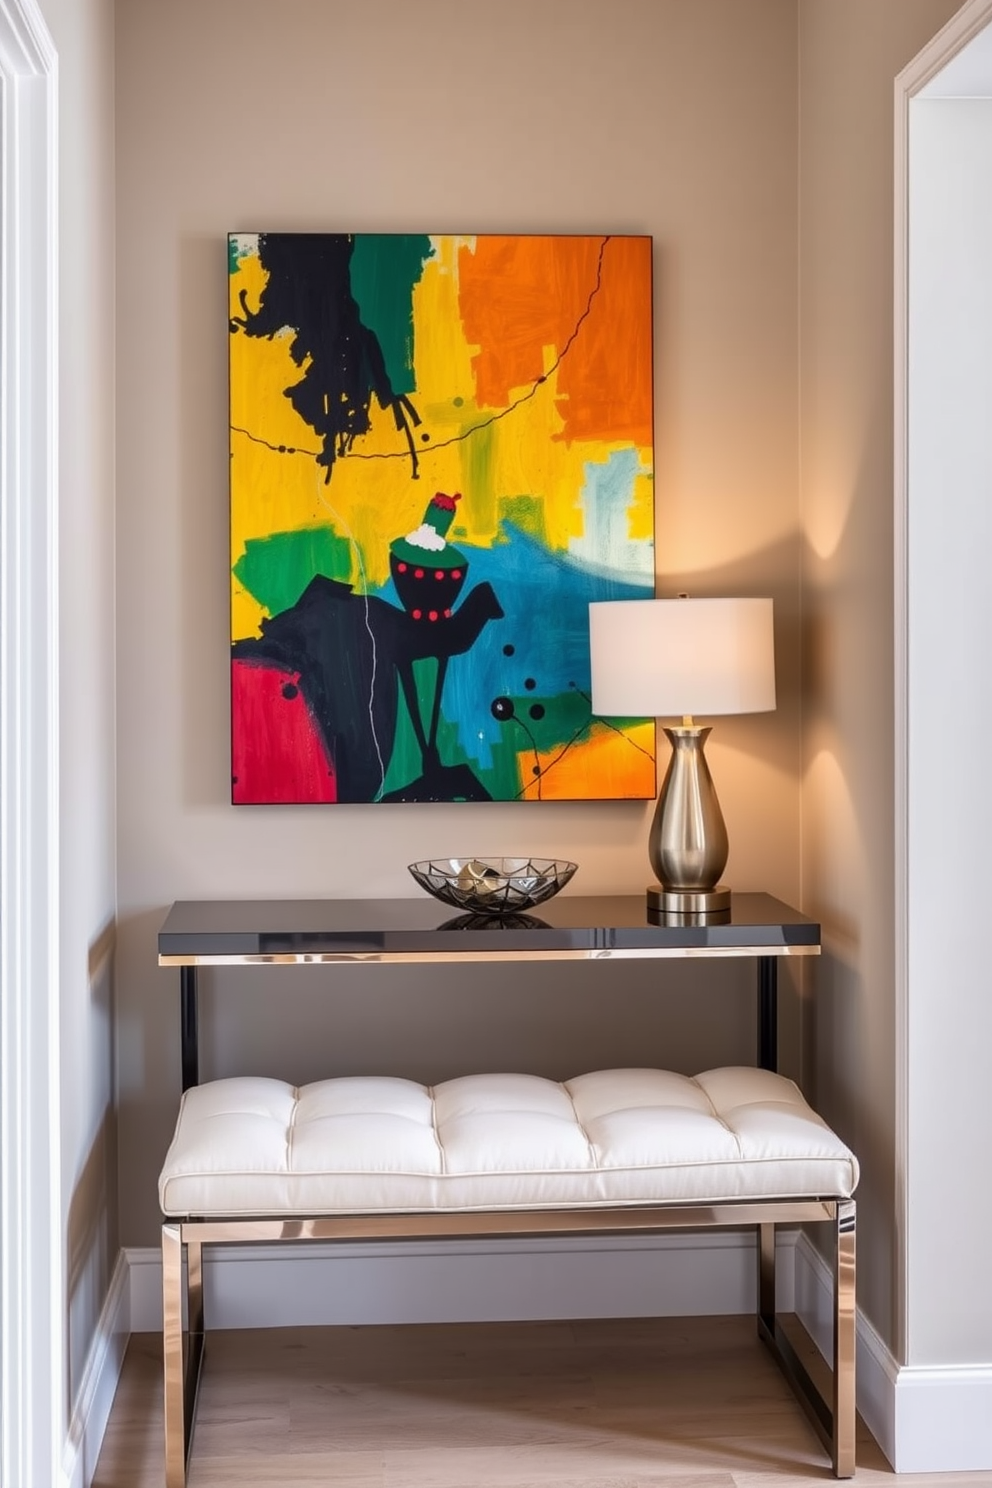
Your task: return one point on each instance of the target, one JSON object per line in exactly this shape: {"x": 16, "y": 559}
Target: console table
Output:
{"x": 212, "y": 1196}
{"x": 288, "y": 932}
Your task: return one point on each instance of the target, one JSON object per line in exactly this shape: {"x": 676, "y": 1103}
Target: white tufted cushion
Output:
{"x": 253, "y": 1146}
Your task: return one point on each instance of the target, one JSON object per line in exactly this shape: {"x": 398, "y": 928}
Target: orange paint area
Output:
{"x": 622, "y": 764}
{"x": 526, "y": 302}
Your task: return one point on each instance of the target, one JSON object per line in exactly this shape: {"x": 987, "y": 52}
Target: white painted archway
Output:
{"x": 32, "y": 1389}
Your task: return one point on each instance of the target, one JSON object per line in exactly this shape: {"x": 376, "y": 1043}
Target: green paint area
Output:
{"x": 563, "y": 723}
{"x": 275, "y": 570}
{"x": 448, "y": 557}
{"x": 384, "y": 270}
{"x": 233, "y": 256}
{"x": 477, "y": 460}
{"x": 526, "y": 514}
{"x": 405, "y": 763}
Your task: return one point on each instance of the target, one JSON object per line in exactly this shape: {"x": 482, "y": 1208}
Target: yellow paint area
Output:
{"x": 641, "y": 511}
{"x": 246, "y": 612}
{"x": 371, "y": 497}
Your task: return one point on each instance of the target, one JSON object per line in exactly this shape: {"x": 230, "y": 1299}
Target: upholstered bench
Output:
{"x": 255, "y": 1159}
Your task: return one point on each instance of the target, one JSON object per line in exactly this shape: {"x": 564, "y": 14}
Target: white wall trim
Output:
{"x": 952, "y": 38}
{"x": 924, "y": 1419}
{"x": 99, "y": 1382}
{"x": 32, "y": 1383}
{"x": 424, "y": 1281}
{"x": 962, "y": 28}
{"x": 943, "y": 1419}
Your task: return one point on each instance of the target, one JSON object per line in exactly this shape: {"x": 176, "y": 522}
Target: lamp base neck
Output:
{"x": 688, "y": 901}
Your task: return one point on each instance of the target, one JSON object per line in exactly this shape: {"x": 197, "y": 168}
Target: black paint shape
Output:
{"x": 536, "y": 711}
{"x": 347, "y": 649}
{"x": 309, "y": 290}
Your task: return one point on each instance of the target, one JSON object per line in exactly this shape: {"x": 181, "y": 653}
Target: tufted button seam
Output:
{"x": 594, "y": 1162}
{"x": 442, "y": 1155}
{"x": 730, "y": 1130}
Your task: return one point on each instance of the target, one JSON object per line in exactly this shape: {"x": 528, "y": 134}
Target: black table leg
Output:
{"x": 187, "y": 1022}
{"x": 768, "y": 1012}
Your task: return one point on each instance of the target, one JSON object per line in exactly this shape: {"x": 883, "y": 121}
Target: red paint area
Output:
{"x": 277, "y": 754}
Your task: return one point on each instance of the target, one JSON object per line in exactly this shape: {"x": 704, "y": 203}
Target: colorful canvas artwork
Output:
{"x": 441, "y": 452}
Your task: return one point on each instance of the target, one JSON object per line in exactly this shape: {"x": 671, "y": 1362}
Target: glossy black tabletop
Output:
{"x": 201, "y": 932}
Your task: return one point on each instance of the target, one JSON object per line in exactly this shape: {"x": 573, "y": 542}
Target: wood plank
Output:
{"x": 627, "y": 1403}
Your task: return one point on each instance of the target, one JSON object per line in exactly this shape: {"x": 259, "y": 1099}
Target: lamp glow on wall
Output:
{"x": 678, "y": 658}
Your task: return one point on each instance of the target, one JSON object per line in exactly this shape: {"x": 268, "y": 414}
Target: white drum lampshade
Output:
{"x": 665, "y": 658}
{"x": 675, "y": 658}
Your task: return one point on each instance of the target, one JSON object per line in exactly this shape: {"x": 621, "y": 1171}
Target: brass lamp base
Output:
{"x": 687, "y": 843}
{"x": 685, "y": 902}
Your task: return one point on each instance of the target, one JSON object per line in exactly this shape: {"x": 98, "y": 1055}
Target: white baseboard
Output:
{"x": 99, "y": 1383}
{"x": 925, "y": 1419}
{"x": 944, "y": 1419}
{"x": 674, "y": 1275}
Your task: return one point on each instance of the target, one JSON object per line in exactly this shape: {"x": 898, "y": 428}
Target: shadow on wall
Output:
{"x": 92, "y": 1227}
{"x": 833, "y": 1015}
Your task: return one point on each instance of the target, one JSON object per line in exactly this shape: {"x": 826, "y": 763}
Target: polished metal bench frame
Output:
{"x": 182, "y": 1287}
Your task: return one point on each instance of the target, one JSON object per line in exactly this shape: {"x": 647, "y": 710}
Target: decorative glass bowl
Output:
{"x": 493, "y": 886}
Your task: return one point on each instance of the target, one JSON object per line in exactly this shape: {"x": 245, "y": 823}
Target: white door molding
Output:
{"x": 950, "y": 1393}
{"x": 32, "y": 1388}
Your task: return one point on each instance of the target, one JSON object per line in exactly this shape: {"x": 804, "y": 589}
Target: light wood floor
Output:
{"x": 646, "y": 1403}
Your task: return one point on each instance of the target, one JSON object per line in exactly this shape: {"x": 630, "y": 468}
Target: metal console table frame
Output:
{"x": 341, "y": 932}
{"x": 287, "y": 932}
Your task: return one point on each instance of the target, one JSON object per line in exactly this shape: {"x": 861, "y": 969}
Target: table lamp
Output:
{"x": 681, "y": 657}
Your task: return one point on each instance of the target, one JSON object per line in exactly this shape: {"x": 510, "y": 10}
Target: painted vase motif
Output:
{"x": 427, "y": 570}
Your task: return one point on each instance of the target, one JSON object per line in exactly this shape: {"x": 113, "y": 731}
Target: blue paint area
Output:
{"x": 546, "y": 598}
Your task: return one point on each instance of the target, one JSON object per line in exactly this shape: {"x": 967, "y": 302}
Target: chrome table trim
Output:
{"x": 359, "y": 958}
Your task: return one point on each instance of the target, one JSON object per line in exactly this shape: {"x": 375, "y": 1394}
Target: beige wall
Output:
{"x": 849, "y": 55}
{"x": 650, "y": 116}
{"x": 83, "y": 34}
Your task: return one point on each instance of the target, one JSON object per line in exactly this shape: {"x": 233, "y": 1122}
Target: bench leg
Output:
{"x": 182, "y": 1346}
{"x": 172, "y": 1343}
{"x": 766, "y": 1274}
{"x": 194, "y": 1292}
{"x": 835, "y": 1419}
{"x": 845, "y": 1406}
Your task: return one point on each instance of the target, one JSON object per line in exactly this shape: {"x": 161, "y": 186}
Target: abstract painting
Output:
{"x": 441, "y": 452}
